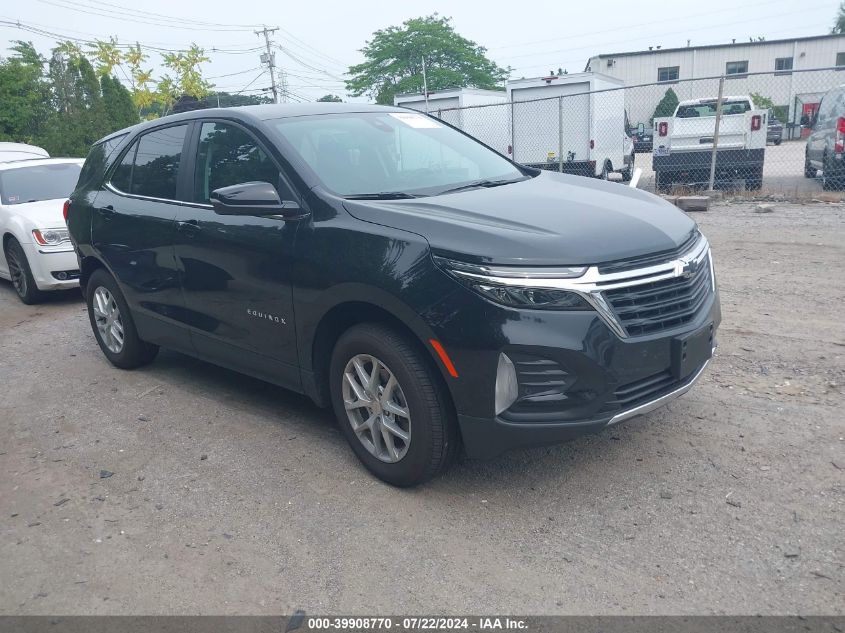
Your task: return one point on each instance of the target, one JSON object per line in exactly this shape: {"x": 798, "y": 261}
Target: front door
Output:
{"x": 133, "y": 227}
{"x": 235, "y": 269}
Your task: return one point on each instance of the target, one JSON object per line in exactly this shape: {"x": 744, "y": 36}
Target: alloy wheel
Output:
{"x": 376, "y": 407}
{"x": 16, "y": 272}
{"x": 108, "y": 319}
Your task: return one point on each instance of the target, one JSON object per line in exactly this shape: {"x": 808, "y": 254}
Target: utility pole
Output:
{"x": 269, "y": 58}
{"x": 425, "y": 85}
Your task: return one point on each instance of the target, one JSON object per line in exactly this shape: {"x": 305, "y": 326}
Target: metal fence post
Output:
{"x": 716, "y": 133}
{"x": 513, "y": 135}
{"x": 560, "y": 134}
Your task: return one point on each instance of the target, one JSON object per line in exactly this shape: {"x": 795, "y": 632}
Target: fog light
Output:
{"x": 507, "y": 388}
{"x": 61, "y": 276}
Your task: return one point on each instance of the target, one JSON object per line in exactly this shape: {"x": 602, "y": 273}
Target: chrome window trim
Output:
{"x": 592, "y": 284}
{"x": 135, "y": 196}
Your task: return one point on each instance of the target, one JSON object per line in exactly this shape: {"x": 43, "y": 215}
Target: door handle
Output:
{"x": 188, "y": 227}
{"x": 107, "y": 212}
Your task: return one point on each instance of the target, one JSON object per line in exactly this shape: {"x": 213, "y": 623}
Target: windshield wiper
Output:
{"x": 381, "y": 195}
{"x": 482, "y": 183}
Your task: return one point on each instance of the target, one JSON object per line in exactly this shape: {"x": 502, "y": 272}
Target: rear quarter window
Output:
{"x": 97, "y": 160}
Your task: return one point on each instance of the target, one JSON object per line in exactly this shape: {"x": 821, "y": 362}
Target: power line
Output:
{"x": 124, "y": 17}
{"x": 649, "y": 37}
{"x": 628, "y": 27}
{"x": 46, "y": 32}
{"x": 246, "y": 27}
{"x": 307, "y": 65}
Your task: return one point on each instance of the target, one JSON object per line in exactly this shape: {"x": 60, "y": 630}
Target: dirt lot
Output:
{"x": 228, "y": 495}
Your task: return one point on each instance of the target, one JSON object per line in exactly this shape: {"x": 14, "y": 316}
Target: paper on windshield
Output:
{"x": 415, "y": 120}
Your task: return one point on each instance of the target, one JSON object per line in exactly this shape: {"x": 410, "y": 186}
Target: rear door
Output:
{"x": 823, "y": 129}
{"x": 133, "y": 228}
{"x": 235, "y": 269}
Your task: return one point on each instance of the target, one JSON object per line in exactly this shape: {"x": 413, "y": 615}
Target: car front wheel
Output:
{"x": 112, "y": 323}
{"x": 390, "y": 405}
{"x": 21, "y": 274}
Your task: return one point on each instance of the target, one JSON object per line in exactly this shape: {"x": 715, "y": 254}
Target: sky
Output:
{"x": 319, "y": 40}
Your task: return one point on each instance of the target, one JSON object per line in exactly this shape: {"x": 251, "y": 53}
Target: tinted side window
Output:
{"x": 227, "y": 155}
{"x": 157, "y": 163}
{"x": 122, "y": 176}
{"x": 95, "y": 163}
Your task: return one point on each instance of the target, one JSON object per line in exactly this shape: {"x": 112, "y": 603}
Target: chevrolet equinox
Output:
{"x": 436, "y": 294}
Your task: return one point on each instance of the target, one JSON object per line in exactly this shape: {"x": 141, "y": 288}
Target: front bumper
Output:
{"x": 49, "y": 265}
{"x": 576, "y": 374}
{"x": 485, "y": 438}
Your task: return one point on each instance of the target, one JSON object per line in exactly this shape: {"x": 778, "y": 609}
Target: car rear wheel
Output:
{"x": 390, "y": 406}
{"x": 833, "y": 178}
{"x": 809, "y": 170}
{"x": 21, "y": 274}
{"x": 112, "y": 323}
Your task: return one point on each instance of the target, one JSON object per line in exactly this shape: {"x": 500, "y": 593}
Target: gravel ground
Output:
{"x": 186, "y": 488}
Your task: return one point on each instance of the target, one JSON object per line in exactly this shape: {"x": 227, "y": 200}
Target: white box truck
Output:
{"x": 573, "y": 123}
{"x": 683, "y": 144}
{"x": 483, "y": 114}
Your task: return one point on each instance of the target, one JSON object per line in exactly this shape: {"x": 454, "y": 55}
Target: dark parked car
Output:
{"x": 643, "y": 138}
{"x": 436, "y": 294}
{"x": 774, "y": 131}
{"x": 826, "y": 142}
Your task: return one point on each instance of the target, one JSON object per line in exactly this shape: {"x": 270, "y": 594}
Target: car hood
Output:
{"x": 44, "y": 214}
{"x": 552, "y": 219}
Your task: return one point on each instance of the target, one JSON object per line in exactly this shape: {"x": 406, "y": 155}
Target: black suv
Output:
{"x": 433, "y": 292}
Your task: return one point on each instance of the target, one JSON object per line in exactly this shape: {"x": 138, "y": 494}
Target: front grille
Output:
{"x": 634, "y": 393}
{"x": 661, "y": 305}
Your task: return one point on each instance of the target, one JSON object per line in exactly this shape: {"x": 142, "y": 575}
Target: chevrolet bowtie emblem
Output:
{"x": 685, "y": 268}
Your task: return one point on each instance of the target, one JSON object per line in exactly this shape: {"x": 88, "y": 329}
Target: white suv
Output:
{"x": 37, "y": 254}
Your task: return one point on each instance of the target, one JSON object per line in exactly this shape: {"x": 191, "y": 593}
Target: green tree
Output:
{"x": 188, "y": 76}
{"x": 765, "y": 103}
{"x": 330, "y": 99}
{"x": 24, "y": 94}
{"x": 79, "y": 117}
{"x": 117, "y": 103}
{"x": 229, "y": 100}
{"x": 394, "y": 64}
{"x": 667, "y": 105}
{"x": 839, "y": 23}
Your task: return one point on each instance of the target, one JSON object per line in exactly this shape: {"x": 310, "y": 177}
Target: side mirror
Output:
{"x": 641, "y": 128}
{"x": 805, "y": 120}
{"x": 252, "y": 198}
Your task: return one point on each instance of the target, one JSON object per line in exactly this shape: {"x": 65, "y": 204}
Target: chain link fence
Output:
{"x": 617, "y": 132}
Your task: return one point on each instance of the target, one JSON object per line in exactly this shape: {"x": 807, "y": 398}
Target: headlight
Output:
{"x": 50, "y": 237}
{"x": 518, "y": 287}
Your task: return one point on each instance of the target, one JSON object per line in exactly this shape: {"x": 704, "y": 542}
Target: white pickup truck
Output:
{"x": 683, "y": 144}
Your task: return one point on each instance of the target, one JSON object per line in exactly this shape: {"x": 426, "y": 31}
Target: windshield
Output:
{"x": 391, "y": 152}
{"x": 39, "y": 182}
{"x": 708, "y": 108}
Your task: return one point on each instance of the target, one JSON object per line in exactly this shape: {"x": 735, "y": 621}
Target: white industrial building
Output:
{"x": 781, "y": 58}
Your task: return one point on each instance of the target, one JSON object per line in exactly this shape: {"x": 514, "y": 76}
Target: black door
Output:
{"x": 235, "y": 269}
{"x": 133, "y": 227}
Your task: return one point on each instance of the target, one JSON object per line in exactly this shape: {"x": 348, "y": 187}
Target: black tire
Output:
{"x": 754, "y": 182}
{"x": 433, "y": 435}
{"x": 832, "y": 179}
{"x": 777, "y": 141}
{"x": 661, "y": 182}
{"x": 134, "y": 352}
{"x": 809, "y": 170}
{"x": 629, "y": 172}
{"x": 21, "y": 274}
